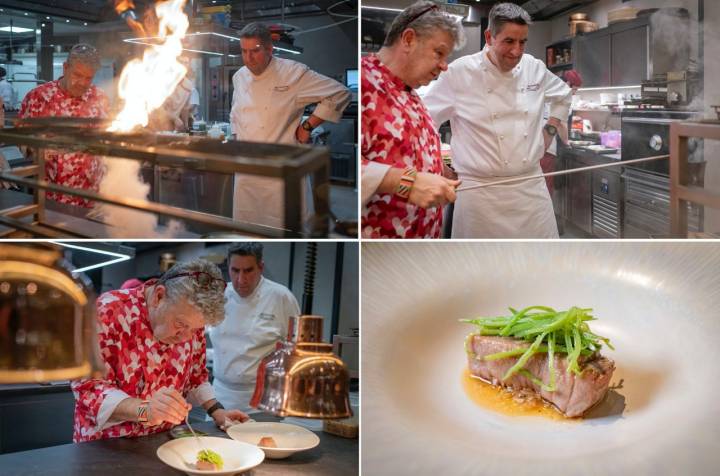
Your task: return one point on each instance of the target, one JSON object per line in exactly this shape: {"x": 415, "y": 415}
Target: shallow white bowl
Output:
{"x": 237, "y": 456}
{"x": 658, "y": 302}
{"x": 289, "y": 438}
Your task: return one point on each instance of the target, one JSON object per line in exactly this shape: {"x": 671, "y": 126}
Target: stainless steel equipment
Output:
{"x": 47, "y": 328}
{"x": 647, "y": 206}
{"x": 287, "y": 163}
{"x": 647, "y": 186}
{"x": 646, "y": 132}
{"x": 607, "y": 203}
{"x": 673, "y": 88}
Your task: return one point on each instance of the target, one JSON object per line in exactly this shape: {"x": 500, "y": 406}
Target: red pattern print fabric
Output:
{"x": 397, "y": 130}
{"x": 76, "y": 169}
{"x": 136, "y": 364}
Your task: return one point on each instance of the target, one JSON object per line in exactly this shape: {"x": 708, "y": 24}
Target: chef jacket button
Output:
{"x": 502, "y": 137}
{"x": 525, "y": 134}
{"x": 526, "y": 111}
{"x": 495, "y": 115}
{"x": 489, "y": 90}
{"x": 524, "y": 160}
{"x": 506, "y": 162}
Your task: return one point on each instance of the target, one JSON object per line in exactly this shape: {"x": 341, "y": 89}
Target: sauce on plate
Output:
{"x": 500, "y": 400}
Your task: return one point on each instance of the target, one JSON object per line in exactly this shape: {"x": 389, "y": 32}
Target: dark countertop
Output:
{"x": 33, "y": 388}
{"x": 588, "y": 157}
{"x": 136, "y": 457}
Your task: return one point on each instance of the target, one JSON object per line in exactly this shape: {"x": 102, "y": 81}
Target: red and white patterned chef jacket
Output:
{"x": 137, "y": 366}
{"x": 75, "y": 169}
{"x": 397, "y": 130}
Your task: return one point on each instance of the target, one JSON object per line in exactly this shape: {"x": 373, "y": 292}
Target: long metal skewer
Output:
{"x": 561, "y": 172}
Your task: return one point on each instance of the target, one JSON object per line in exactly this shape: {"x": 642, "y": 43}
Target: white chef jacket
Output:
{"x": 249, "y": 332}
{"x": 496, "y": 120}
{"x": 7, "y": 93}
{"x": 269, "y": 108}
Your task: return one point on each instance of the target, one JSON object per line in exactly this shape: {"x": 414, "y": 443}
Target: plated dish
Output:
{"x": 236, "y": 457}
{"x": 288, "y": 439}
{"x": 657, "y": 304}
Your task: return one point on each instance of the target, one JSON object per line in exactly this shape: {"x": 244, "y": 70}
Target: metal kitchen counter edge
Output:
{"x": 137, "y": 457}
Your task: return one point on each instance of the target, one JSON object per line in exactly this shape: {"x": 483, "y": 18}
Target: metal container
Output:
{"x": 47, "y": 317}
{"x": 302, "y": 377}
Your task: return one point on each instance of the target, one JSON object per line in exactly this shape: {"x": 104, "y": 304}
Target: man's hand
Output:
{"x": 432, "y": 190}
{"x": 221, "y": 415}
{"x": 302, "y": 136}
{"x": 167, "y": 405}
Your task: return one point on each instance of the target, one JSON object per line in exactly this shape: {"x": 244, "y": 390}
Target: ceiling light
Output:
{"x": 119, "y": 257}
{"x": 15, "y": 29}
{"x": 26, "y": 14}
{"x": 383, "y": 8}
{"x": 85, "y": 23}
{"x": 67, "y": 21}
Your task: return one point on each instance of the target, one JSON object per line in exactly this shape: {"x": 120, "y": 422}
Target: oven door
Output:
{"x": 647, "y": 137}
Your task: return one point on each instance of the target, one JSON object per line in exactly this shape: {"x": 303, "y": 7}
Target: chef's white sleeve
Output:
{"x": 372, "y": 175}
{"x": 558, "y": 95}
{"x": 440, "y": 99}
{"x": 201, "y": 394}
{"x": 234, "y": 108}
{"x": 330, "y": 96}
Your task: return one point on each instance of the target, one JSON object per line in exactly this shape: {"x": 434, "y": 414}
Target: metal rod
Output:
{"x": 145, "y": 206}
{"x": 561, "y": 172}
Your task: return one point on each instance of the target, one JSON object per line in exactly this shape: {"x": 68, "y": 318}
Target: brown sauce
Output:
{"x": 500, "y": 400}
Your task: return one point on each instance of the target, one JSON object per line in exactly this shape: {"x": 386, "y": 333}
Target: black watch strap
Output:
{"x": 552, "y": 130}
{"x": 216, "y": 406}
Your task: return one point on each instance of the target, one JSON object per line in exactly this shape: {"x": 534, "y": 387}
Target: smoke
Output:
{"x": 122, "y": 179}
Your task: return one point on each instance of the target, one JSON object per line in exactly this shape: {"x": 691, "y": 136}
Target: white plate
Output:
{"x": 289, "y": 438}
{"x": 237, "y": 456}
{"x": 658, "y": 302}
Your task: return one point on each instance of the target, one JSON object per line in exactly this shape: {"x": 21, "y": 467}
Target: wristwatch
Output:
{"x": 142, "y": 412}
{"x": 216, "y": 406}
{"x": 550, "y": 129}
{"x": 407, "y": 180}
{"x": 307, "y": 126}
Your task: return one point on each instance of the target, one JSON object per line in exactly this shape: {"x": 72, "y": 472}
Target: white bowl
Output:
{"x": 656, "y": 301}
{"x": 289, "y": 438}
{"x": 237, "y": 457}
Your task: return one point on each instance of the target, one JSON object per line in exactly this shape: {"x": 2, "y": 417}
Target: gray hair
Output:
{"x": 246, "y": 248}
{"x": 425, "y": 18}
{"x": 257, "y": 30}
{"x": 85, "y": 54}
{"x": 503, "y": 13}
{"x": 208, "y": 299}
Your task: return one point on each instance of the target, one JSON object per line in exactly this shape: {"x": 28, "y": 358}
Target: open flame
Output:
{"x": 146, "y": 83}
{"x": 144, "y": 86}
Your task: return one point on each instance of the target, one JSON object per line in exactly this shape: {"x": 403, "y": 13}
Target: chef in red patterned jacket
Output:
{"x": 404, "y": 181}
{"x": 73, "y": 95}
{"x": 152, "y": 341}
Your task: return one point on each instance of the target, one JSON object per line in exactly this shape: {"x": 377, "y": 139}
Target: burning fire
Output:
{"x": 145, "y": 84}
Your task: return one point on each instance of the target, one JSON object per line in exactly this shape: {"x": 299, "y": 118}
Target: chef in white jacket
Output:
{"x": 257, "y": 311}
{"x": 494, "y": 101}
{"x": 270, "y": 95}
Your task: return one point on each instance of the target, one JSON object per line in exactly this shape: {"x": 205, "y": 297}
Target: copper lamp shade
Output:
{"x": 47, "y": 317}
{"x": 302, "y": 377}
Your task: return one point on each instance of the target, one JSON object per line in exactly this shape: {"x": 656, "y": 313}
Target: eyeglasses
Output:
{"x": 415, "y": 17}
{"x": 205, "y": 280}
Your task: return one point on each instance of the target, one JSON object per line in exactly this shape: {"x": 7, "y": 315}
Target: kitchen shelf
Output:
{"x": 560, "y": 65}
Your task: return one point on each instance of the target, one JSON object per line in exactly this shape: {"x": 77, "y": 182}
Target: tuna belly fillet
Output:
{"x": 574, "y": 394}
